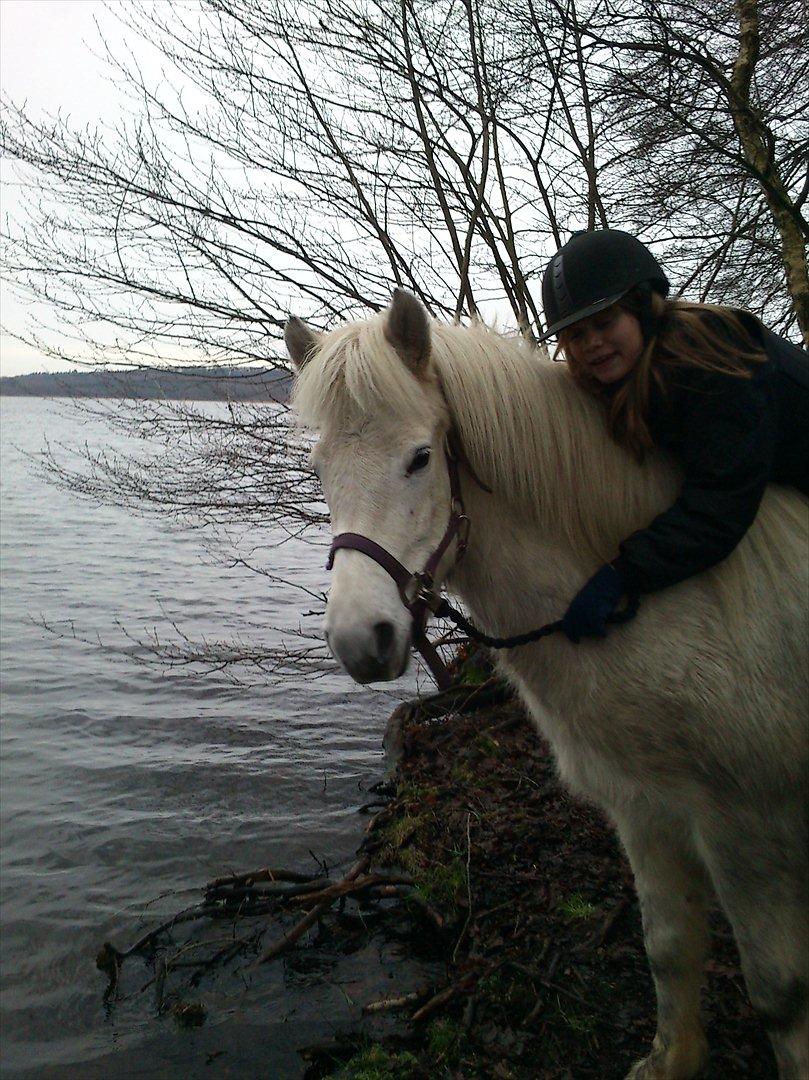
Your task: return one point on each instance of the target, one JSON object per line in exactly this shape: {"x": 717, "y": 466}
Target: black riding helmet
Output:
{"x": 591, "y": 272}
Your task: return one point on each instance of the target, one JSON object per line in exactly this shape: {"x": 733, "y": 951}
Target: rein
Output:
{"x": 417, "y": 590}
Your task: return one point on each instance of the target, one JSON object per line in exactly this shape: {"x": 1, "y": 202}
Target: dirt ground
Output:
{"x": 525, "y": 893}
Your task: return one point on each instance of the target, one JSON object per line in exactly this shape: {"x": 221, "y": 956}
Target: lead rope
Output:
{"x": 444, "y": 610}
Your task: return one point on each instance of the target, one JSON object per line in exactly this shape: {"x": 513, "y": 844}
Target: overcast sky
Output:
{"x": 47, "y": 59}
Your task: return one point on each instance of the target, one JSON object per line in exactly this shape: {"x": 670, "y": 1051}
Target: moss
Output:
{"x": 486, "y": 745}
{"x": 402, "y": 838}
{"x": 399, "y": 843}
{"x": 373, "y": 1062}
{"x": 409, "y": 791}
{"x": 464, "y": 774}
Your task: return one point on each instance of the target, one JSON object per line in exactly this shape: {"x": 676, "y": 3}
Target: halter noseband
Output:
{"x": 417, "y": 590}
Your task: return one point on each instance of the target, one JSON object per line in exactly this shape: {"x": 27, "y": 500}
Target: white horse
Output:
{"x": 688, "y": 726}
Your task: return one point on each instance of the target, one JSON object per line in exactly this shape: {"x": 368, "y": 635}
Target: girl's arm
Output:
{"x": 723, "y": 436}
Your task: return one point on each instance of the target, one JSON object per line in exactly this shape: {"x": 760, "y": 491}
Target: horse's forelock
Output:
{"x": 355, "y": 373}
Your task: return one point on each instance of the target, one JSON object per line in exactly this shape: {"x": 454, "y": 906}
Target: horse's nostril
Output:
{"x": 383, "y": 635}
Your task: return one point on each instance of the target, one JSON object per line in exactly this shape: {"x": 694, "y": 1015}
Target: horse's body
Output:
{"x": 688, "y": 726}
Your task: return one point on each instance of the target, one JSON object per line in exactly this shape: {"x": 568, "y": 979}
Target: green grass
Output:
{"x": 443, "y": 1038}
{"x": 576, "y": 907}
{"x": 444, "y": 884}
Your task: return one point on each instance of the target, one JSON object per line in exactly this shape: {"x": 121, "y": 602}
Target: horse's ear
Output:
{"x": 300, "y": 341}
{"x": 407, "y": 328}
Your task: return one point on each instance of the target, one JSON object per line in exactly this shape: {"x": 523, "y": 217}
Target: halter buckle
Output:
{"x": 420, "y": 589}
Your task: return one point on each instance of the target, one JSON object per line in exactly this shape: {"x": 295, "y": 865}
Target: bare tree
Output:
{"x": 328, "y": 152}
{"x": 295, "y": 157}
{"x": 708, "y": 108}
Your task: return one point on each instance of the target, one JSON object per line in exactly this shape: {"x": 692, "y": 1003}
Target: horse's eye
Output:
{"x": 420, "y": 460}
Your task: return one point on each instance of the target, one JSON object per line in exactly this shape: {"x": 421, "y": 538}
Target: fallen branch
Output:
{"x": 265, "y": 874}
{"x": 463, "y": 986}
{"x": 309, "y": 920}
{"x": 108, "y": 952}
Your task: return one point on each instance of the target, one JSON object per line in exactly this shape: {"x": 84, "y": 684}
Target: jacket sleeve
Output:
{"x": 725, "y": 447}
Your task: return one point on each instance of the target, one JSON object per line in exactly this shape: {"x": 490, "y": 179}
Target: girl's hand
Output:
{"x": 592, "y": 607}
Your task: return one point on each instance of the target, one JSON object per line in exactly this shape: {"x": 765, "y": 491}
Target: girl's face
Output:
{"x": 606, "y": 345}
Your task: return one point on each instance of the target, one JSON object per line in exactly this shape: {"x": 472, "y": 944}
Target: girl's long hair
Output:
{"x": 677, "y": 334}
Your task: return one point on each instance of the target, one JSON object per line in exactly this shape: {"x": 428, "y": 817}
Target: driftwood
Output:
{"x": 265, "y": 894}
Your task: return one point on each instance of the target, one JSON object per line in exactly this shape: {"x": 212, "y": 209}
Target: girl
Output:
{"x": 728, "y": 399}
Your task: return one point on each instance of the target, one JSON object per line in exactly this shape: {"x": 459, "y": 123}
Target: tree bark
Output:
{"x": 758, "y": 146}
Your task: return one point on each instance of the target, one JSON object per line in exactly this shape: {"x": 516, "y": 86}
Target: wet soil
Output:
{"x": 527, "y": 898}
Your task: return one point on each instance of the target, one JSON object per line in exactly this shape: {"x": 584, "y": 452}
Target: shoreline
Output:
{"x": 534, "y": 913}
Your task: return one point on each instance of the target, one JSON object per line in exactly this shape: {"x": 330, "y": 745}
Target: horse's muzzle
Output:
{"x": 374, "y": 655}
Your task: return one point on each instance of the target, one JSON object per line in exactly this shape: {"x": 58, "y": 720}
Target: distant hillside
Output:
{"x": 189, "y": 384}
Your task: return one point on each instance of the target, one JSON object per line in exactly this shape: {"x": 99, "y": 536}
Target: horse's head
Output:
{"x": 371, "y": 391}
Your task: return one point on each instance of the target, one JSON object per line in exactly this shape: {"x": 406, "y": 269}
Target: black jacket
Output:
{"x": 730, "y": 436}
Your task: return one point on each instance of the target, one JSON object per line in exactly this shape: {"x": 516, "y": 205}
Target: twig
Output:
{"x": 436, "y": 1002}
{"x": 390, "y": 1004}
{"x": 468, "y": 887}
{"x": 199, "y": 911}
{"x": 597, "y": 1009}
{"x": 543, "y": 980}
{"x": 281, "y": 889}
{"x": 348, "y": 886}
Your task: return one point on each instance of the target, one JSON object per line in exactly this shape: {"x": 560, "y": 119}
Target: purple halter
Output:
{"x": 417, "y": 590}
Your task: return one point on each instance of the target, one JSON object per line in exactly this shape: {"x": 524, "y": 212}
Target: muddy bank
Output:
{"x": 524, "y": 895}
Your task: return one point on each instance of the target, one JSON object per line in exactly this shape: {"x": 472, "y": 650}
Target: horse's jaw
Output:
{"x": 368, "y": 629}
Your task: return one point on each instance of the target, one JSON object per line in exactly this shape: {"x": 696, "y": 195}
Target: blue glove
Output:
{"x": 592, "y": 607}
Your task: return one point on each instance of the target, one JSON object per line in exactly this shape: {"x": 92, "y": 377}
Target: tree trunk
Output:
{"x": 758, "y": 144}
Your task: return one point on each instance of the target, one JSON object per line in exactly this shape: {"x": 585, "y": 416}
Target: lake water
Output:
{"x": 123, "y": 783}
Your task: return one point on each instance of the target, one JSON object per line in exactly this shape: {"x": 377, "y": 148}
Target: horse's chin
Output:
{"x": 371, "y": 671}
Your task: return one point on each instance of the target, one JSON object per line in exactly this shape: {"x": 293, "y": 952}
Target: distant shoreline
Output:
{"x": 178, "y": 384}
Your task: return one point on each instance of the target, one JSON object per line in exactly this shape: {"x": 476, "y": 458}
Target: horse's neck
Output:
{"x": 513, "y": 574}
